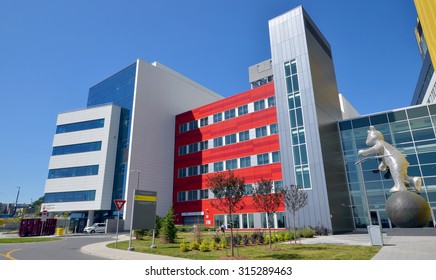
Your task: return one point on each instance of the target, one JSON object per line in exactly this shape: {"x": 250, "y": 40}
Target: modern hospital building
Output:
{"x": 151, "y": 128}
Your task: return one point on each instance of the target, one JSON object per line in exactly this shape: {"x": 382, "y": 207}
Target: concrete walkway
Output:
{"x": 409, "y": 246}
{"x": 100, "y": 249}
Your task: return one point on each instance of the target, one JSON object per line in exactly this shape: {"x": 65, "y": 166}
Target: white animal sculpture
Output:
{"x": 392, "y": 159}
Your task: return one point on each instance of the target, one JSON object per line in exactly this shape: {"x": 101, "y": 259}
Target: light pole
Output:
{"x": 16, "y": 201}
{"x": 368, "y": 213}
{"x": 130, "y": 248}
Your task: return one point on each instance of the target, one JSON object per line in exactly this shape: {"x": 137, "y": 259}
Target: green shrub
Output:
{"x": 195, "y": 246}
{"x": 184, "y": 246}
{"x": 294, "y": 234}
{"x": 204, "y": 246}
{"x": 287, "y": 236}
{"x": 282, "y": 236}
{"x": 223, "y": 243}
{"x": 169, "y": 230}
{"x": 139, "y": 233}
{"x": 307, "y": 232}
{"x": 214, "y": 245}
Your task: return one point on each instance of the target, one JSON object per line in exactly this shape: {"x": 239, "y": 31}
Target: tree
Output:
{"x": 168, "y": 229}
{"x": 36, "y": 206}
{"x": 295, "y": 199}
{"x": 228, "y": 190}
{"x": 266, "y": 200}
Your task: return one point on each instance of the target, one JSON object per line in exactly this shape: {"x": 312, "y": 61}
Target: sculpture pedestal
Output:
{"x": 408, "y": 210}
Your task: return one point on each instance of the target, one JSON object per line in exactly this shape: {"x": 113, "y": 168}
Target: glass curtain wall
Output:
{"x": 410, "y": 130}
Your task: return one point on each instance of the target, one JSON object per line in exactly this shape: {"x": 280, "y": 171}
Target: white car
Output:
{"x": 97, "y": 227}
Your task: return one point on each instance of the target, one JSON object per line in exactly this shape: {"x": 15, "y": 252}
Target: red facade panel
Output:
{"x": 252, "y": 147}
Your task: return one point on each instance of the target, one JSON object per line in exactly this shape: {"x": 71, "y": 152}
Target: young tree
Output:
{"x": 265, "y": 200}
{"x": 168, "y": 228}
{"x": 228, "y": 190}
{"x": 295, "y": 199}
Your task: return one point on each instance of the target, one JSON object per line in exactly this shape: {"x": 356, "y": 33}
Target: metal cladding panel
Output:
{"x": 251, "y": 147}
{"x": 104, "y": 158}
{"x": 160, "y": 94}
{"x": 291, "y": 38}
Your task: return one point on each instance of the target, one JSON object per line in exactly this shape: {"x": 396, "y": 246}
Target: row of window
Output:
{"x": 76, "y": 148}
{"x": 73, "y": 171}
{"x": 298, "y": 141}
{"x": 69, "y": 196}
{"x": 230, "y": 164}
{"x": 208, "y": 194}
{"x": 251, "y": 220}
{"x": 228, "y": 114}
{"x": 229, "y": 139}
{"x": 71, "y": 127}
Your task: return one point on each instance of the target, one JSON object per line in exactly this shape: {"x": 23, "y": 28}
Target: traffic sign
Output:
{"x": 44, "y": 215}
{"x": 119, "y": 203}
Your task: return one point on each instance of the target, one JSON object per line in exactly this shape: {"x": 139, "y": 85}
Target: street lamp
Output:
{"x": 368, "y": 213}
{"x": 130, "y": 248}
{"x": 16, "y": 201}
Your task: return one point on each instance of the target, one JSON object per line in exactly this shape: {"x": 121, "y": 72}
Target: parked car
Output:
{"x": 97, "y": 227}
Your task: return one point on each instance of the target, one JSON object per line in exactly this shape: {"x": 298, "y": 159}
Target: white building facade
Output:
{"x": 138, "y": 105}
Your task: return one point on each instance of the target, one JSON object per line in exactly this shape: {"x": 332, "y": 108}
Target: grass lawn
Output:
{"x": 279, "y": 251}
{"x": 26, "y": 239}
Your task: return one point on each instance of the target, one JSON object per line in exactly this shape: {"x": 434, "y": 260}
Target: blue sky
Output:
{"x": 52, "y": 52}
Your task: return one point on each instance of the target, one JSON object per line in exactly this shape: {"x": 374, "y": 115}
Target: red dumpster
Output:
{"x": 32, "y": 227}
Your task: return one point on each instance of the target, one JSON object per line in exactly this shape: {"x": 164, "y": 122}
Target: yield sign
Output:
{"x": 119, "y": 203}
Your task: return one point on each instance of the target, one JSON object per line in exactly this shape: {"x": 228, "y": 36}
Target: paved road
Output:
{"x": 66, "y": 248}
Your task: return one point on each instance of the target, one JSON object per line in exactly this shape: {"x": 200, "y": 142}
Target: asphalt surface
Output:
{"x": 414, "y": 244}
{"x": 66, "y": 248}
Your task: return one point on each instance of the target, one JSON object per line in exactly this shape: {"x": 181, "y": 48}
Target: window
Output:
{"x": 262, "y": 159}
{"x": 204, "y": 194}
{"x": 71, "y": 127}
{"x": 278, "y": 186}
{"x": 229, "y": 114}
{"x": 276, "y": 156}
{"x": 192, "y": 171}
{"x": 259, "y": 105}
{"x": 244, "y": 136}
{"x": 218, "y": 142}
{"x": 182, "y": 172}
{"x": 204, "y": 121}
{"x": 69, "y": 196}
{"x": 245, "y": 162}
{"x": 273, "y": 129}
{"x": 193, "y": 148}
{"x": 204, "y": 169}
{"x": 192, "y": 195}
{"x": 193, "y": 125}
{"x": 73, "y": 172}
{"x": 231, "y": 164}
{"x": 261, "y": 132}
{"x": 181, "y": 196}
{"x": 183, "y": 127}
{"x": 217, "y": 117}
{"x": 271, "y": 101}
{"x": 77, "y": 148}
{"x": 218, "y": 166}
{"x": 183, "y": 150}
{"x": 230, "y": 139}
{"x": 242, "y": 110}
{"x": 204, "y": 145}
{"x": 248, "y": 189}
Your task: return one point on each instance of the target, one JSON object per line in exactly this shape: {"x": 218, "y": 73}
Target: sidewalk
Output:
{"x": 396, "y": 247}
{"x": 100, "y": 250}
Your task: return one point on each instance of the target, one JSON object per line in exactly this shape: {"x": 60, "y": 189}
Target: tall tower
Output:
{"x": 308, "y": 108}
